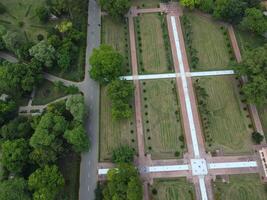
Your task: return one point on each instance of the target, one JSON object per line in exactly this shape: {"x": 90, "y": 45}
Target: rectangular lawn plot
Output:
{"x": 114, "y": 133}
{"x": 161, "y": 119}
{"x": 115, "y": 33}
{"x": 240, "y": 187}
{"x": 225, "y": 122}
{"x": 172, "y": 189}
{"x": 152, "y": 42}
{"x": 210, "y": 43}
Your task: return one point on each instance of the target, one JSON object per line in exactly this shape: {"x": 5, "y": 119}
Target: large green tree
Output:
{"x": 46, "y": 183}
{"x": 12, "y": 41}
{"x": 75, "y": 104}
{"x": 106, "y": 64}
{"x": 8, "y": 110}
{"x": 14, "y": 189}
{"x": 254, "y": 21}
{"x": 116, "y": 8}
{"x": 15, "y": 155}
{"x": 123, "y": 154}
{"x": 190, "y": 3}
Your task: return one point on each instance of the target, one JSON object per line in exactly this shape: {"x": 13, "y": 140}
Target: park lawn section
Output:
{"x": 173, "y": 189}
{"x": 48, "y": 92}
{"x": 228, "y": 122}
{"x": 114, "y": 133}
{"x": 210, "y": 43}
{"x": 115, "y": 33}
{"x": 161, "y": 119}
{"x": 240, "y": 187}
{"x": 154, "y": 57}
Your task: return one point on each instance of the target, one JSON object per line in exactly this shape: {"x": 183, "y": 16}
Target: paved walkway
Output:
{"x": 8, "y": 56}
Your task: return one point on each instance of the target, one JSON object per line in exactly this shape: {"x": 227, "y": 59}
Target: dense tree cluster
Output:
{"x": 116, "y": 8}
{"x": 123, "y": 154}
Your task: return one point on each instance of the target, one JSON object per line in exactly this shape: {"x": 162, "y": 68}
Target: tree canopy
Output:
{"x": 116, "y": 8}
{"x": 190, "y": 3}
{"x": 257, "y": 137}
{"x": 106, "y": 64}
{"x": 123, "y": 154}
{"x": 8, "y": 110}
{"x": 75, "y": 104}
{"x": 46, "y": 182}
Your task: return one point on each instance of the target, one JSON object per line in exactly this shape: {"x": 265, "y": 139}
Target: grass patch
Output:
{"x": 113, "y": 133}
{"x": 70, "y": 168}
{"x": 227, "y": 124}
{"x": 161, "y": 119}
{"x": 172, "y": 189}
{"x": 209, "y": 41}
{"x": 48, "y": 92}
{"x": 152, "y": 44}
{"x": 116, "y": 34}
{"x": 241, "y": 187}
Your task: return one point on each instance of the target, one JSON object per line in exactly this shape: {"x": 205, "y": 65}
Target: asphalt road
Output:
{"x": 88, "y": 168}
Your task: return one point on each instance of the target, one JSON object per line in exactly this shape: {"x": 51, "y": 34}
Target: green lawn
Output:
{"x": 70, "y": 168}
{"x": 210, "y": 43}
{"x": 154, "y": 57}
{"x": 113, "y": 133}
{"x": 161, "y": 118}
{"x": 115, "y": 33}
{"x": 173, "y": 189}
{"x": 48, "y": 92}
{"x": 228, "y": 124}
{"x": 241, "y": 187}
{"x": 247, "y": 41}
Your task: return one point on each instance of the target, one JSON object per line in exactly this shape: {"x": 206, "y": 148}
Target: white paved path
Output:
{"x": 232, "y": 165}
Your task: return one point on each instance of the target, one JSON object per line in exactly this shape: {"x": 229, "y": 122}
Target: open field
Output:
{"x": 161, "y": 119}
{"x": 21, "y": 17}
{"x": 115, "y": 33}
{"x": 226, "y": 126}
{"x": 209, "y": 41}
{"x": 240, "y": 187}
{"x": 113, "y": 133}
{"x": 153, "y": 56}
{"x": 173, "y": 189}
{"x": 247, "y": 41}
{"x": 48, "y": 92}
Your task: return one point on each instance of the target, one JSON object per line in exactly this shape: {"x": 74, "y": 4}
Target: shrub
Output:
{"x": 257, "y": 137}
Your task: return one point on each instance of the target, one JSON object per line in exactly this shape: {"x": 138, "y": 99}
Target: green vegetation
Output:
{"x": 152, "y": 41}
{"x": 145, "y": 3}
{"x": 115, "y": 33}
{"x": 240, "y": 187}
{"x": 227, "y": 125}
{"x": 262, "y": 110}
{"x": 123, "y": 154}
{"x": 209, "y": 41}
{"x": 113, "y": 133}
{"x": 172, "y": 189}
{"x": 161, "y": 119}
{"x": 116, "y": 8}
{"x": 190, "y": 3}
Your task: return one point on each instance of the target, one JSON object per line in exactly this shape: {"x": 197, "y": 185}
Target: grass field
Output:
{"x": 47, "y": 92}
{"x": 115, "y": 33}
{"x": 228, "y": 123}
{"x": 247, "y": 41}
{"x": 23, "y": 12}
{"x": 173, "y": 189}
{"x": 210, "y": 43}
{"x": 241, "y": 187}
{"x": 149, "y": 38}
{"x": 113, "y": 133}
{"x": 161, "y": 119}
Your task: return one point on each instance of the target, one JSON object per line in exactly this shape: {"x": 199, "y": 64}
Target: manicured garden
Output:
{"x": 172, "y": 189}
{"x": 225, "y": 120}
{"x": 152, "y": 42}
{"x": 208, "y": 41}
{"x": 161, "y": 119}
{"x": 113, "y": 133}
{"x": 240, "y": 187}
{"x": 115, "y": 33}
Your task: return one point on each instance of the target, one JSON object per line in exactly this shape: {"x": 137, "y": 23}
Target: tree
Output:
{"x": 120, "y": 92}
{"x": 64, "y": 26}
{"x": 254, "y": 21}
{"x": 2, "y": 9}
{"x": 12, "y": 41}
{"x": 8, "y": 110}
{"x": 123, "y": 183}
{"x": 46, "y": 182}
{"x": 75, "y": 104}
{"x": 14, "y": 189}
{"x": 230, "y": 10}
{"x": 43, "y": 14}
{"x": 257, "y": 137}
{"x": 2, "y": 33}
{"x": 190, "y": 3}
{"x": 106, "y": 64}
{"x": 15, "y": 154}
{"x": 123, "y": 154}
{"x": 23, "y": 52}
{"x": 206, "y": 5}
{"x": 44, "y": 53}
{"x": 77, "y": 137}
{"x": 116, "y": 8}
